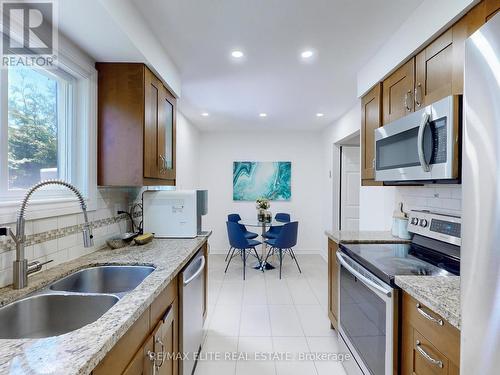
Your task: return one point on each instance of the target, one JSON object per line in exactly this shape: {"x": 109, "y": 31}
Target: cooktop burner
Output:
{"x": 389, "y": 260}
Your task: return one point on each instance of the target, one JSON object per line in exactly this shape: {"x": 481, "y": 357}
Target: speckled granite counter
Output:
{"x": 441, "y": 294}
{"x": 78, "y": 352}
{"x": 345, "y": 236}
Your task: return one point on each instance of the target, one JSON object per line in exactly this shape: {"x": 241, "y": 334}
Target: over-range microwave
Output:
{"x": 422, "y": 147}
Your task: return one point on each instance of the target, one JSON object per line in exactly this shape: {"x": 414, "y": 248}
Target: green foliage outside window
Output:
{"x": 33, "y": 130}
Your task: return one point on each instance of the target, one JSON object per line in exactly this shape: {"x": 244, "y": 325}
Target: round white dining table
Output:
{"x": 264, "y": 226}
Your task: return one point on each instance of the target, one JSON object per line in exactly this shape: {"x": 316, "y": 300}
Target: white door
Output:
{"x": 349, "y": 188}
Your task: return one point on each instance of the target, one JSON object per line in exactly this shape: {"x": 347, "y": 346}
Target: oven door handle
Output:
{"x": 421, "y": 155}
{"x": 362, "y": 278}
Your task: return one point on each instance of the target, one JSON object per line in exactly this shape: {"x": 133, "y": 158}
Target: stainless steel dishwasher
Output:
{"x": 191, "y": 298}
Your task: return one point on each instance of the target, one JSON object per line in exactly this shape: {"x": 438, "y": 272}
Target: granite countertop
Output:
{"x": 78, "y": 352}
{"x": 344, "y": 236}
{"x": 441, "y": 294}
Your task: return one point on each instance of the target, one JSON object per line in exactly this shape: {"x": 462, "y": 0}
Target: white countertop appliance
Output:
{"x": 480, "y": 282}
{"x": 173, "y": 213}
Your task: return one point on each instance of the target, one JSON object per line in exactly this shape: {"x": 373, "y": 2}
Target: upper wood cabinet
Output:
{"x": 481, "y": 14}
{"x": 439, "y": 67}
{"x": 371, "y": 119}
{"x": 398, "y": 91}
{"x": 136, "y": 127}
{"x": 491, "y": 7}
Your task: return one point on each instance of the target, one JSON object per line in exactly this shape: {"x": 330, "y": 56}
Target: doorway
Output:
{"x": 349, "y": 187}
{"x": 346, "y": 184}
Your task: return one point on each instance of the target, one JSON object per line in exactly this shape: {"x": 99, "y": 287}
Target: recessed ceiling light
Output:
{"x": 319, "y": 114}
{"x": 307, "y": 54}
{"x": 237, "y": 54}
{"x": 205, "y": 114}
{"x": 262, "y": 114}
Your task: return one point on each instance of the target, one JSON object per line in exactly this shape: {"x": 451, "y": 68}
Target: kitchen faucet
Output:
{"x": 21, "y": 268}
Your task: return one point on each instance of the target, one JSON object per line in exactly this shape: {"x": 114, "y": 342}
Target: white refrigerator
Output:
{"x": 480, "y": 252}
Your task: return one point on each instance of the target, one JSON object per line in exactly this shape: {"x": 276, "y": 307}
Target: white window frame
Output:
{"x": 65, "y": 94}
{"x": 82, "y": 135}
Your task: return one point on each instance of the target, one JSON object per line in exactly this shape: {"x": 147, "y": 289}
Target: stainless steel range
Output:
{"x": 369, "y": 300}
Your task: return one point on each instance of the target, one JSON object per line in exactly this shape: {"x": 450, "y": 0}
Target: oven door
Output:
{"x": 420, "y": 146}
{"x": 367, "y": 320}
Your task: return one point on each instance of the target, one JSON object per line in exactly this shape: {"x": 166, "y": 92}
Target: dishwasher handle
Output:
{"x": 197, "y": 273}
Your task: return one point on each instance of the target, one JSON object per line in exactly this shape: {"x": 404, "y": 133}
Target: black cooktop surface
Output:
{"x": 389, "y": 260}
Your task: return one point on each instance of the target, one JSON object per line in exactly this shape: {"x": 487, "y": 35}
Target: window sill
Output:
{"x": 43, "y": 208}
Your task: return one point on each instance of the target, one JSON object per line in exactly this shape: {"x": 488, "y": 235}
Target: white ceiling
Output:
{"x": 90, "y": 27}
{"x": 199, "y": 36}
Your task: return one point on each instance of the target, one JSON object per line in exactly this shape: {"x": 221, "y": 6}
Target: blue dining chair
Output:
{"x": 239, "y": 243}
{"x": 235, "y": 218}
{"x": 274, "y": 231}
{"x": 284, "y": 243}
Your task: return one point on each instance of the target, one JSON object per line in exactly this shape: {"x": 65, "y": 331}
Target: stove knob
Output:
{"x": 423, "y": 223}
{"x": 414, "y": 221}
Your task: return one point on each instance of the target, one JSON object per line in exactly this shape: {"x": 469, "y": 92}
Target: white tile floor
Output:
{"x": 280, "y": 320}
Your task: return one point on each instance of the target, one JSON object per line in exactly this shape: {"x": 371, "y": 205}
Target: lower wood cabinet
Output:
{"x": 429, "y": 345}
{"x": 151, "y": 345}
{"x": 333, "y": 283}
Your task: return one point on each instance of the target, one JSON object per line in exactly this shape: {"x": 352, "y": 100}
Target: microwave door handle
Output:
{"x": 370, "y": 284}
{"x": 420, "y": 142}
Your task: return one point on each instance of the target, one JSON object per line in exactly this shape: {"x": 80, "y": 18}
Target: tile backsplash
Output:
{"x": 441, "y": 198}
{"x": 59, "y": 238}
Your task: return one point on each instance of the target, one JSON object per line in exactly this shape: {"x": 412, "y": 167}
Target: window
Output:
{"x": 48, "y": 130}
{"x": 38, "y": 128}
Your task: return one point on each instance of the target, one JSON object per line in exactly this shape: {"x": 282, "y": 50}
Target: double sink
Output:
{"x": 71, "y": 302}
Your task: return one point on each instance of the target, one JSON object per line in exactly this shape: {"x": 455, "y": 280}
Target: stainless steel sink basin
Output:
{"x": 51, "y": 314}
{"x": 103, "y": 279}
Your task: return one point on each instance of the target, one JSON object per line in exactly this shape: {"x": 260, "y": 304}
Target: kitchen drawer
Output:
{"x": 427, "y": 359}
{"x": 162, "y": 303}
{"x": 433, "y": 327}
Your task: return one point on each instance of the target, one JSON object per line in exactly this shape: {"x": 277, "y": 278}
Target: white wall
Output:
{"x": 346, "y": 125}
{"x": 130, "y": 20}
{"x": 219, "y": 150}
{"x": 188, "y": 154}
{"x": 376, "y": 203}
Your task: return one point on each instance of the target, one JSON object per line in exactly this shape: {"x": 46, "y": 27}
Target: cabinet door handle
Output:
{"x": 407, "y": 99}
{"x": 418, "y": 95}
{"x": 162, "y": 164}
{"x": 162, "y": 352}
{"x": 152, "y": 356}
{"x": 424, "y": 354}
{"x": 373, "y": 163}
{"x": 427, "y": 316}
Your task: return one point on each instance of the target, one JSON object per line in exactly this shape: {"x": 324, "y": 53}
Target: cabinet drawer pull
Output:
{"x": 427, "y": 316}
{"x": 424, "y": 354}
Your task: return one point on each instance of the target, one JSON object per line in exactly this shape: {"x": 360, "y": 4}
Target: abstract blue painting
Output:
{"x": 255, "y": 179}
